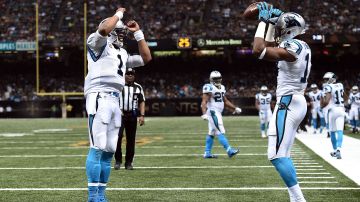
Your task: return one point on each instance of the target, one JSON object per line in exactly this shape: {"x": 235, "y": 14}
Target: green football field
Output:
{"x": 44, "y": 160}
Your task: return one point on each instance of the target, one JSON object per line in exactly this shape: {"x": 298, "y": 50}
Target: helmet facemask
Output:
{"x": 216, "y": 81}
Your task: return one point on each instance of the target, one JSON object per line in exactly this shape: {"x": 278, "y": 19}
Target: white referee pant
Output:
{"x": 104, "y": 113}
{"x": 290, "y": 110}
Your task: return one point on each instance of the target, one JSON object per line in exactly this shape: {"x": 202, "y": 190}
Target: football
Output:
{"x": 251, "y": 11}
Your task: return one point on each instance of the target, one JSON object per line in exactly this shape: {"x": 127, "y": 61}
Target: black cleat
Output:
{"x": 117, "y": 165}
{"x": 129, "y": 167}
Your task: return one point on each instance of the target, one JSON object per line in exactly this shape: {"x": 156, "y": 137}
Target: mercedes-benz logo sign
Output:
{"x": 201, "y": 42}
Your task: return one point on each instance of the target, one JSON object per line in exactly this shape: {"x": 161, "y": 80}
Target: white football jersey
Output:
{"x": 354, "y": 100}
{"x": 216, "y": 101}
{"x": 264, "y": 100}
{"x": 337, "y": 94}
{"x": 107, "y": 65}
{"x": 315, "y": 98}
{"x": 292, "y": 76}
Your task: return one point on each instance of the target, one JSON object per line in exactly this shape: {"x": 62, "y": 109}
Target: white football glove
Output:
{"x": 205, "y": 117}
{"x": 237, "y": 110}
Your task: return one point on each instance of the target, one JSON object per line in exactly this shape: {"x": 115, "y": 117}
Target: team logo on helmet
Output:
{"x": 291, "y": 22}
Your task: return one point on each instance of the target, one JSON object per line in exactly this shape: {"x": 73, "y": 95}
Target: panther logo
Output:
{"x": 291, "y": 22}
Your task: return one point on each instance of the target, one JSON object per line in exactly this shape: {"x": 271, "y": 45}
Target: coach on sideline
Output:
{"x": 132, "y": 104}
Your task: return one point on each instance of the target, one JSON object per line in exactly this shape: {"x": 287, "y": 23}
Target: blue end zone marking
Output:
{"x": 213, "y": 116}
{"x": 281, "y": 119}
{"x": 92, "y": 54}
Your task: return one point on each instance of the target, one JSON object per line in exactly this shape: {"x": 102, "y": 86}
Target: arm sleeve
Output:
{"x": 207, "y": 88}
{"x": 292, "y": 46}
{"x": 327, "y": 89}
{"x": 96, "y": 44}
{"x": 135, "y": 61}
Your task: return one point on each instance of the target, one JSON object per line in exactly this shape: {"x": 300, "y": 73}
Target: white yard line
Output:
{"x": 318, "y": 182}
{"x": 349, "y": 165}
{"x": 313, "y": 173}
{"x": 315, "y": 177}
{"x": 139, "y": 167}
{"x": 182, "y": 189}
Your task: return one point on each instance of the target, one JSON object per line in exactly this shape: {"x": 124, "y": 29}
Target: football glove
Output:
{"x": 264, "y": 11}
{"x": 205, "y": 117}
{"x": 237, "y": 110}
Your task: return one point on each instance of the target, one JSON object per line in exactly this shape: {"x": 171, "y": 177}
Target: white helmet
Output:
{"x": 117, "y": 35}
{"x": 329, "y": 77}
{"x": 288, "y": 26}
{"x": 313, "y": 86}
{"x": 355, "y": 89}
{"x": 263, "y": 89}
{"x": 215, "y": 78}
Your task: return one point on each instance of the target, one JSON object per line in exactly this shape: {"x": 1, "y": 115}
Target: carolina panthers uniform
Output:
{"x": 215, "y": 106}
{"x": 291, "y": 105}
{"x": 336, "y": 111}
{"x": 315, "y": 104}
{"x": 103, "y": 83}
{"x": 354, "y": 101}
{"x": 264, "y": 109}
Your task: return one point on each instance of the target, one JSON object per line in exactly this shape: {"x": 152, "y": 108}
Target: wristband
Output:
{"x": 142, "y": 114}
{"x": 119, "y": 14}
{"x": 260, "y": 31}
{"x": 270, "y": 34}
{"x": 139, "y": 35}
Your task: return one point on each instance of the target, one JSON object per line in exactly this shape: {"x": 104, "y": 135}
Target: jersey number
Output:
{"x": 339, "y": 96}
{"x": 120, "y": 72}
{"x": 218, "y": 97}
{"x": 265, "y": 101}
{"x": 304, "y": 79}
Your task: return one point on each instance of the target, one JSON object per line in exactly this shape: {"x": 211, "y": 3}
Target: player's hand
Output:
{"x": 142, "y": 120}
{"x": 121, "y": 10}
{"x": 237, "y": 110}
{"x": 264, "y": 11}
{"x": 275, "y": 12}
{"x": 205, "y": 117}
{"x": 133, "y": 26}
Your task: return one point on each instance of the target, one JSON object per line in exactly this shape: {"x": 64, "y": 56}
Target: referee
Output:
{"x": 132, "y": 103}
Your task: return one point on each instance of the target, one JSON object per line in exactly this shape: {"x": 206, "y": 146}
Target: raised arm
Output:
{"x": 142, "y": 45}
{"x": 109, "y": 23}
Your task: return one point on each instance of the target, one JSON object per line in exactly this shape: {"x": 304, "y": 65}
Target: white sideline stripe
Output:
{"x": 312, "y": 169}
{"x": 41, "y": 141}
{"x": 315, "y": 177}
{"x": 149, "y": 167}
{"x": 139, "y": 147}
{"x": 138, "y": 155}
{"x": 181, "y": 189}
{"x": 141, "y": 167}
{"x": 318, "y": 182}
{"x": 28, "y": 148}
{"x": 303, "y": 160}
{"x": 300, "y": 163}
{"x": 313, "y": 173}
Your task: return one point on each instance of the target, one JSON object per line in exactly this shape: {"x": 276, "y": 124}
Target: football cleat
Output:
{"x": 129, "y": 167}
{"x": 338, "y": 154}
{"x": 209, "y": 156}
{"x": 117, "y": 165}
{"x": 102, "y": 199}
{"x": 333, "y": 154}
{"x": 233, "y": 152}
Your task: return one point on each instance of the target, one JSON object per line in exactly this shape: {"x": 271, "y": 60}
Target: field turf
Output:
{"x": 44, "y": 160}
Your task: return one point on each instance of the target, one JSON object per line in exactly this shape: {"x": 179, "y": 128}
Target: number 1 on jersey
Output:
{"x": 120, "y": 72}
{"x": 304, "y": 79}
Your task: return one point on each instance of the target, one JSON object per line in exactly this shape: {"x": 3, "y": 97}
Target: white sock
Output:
{"x": 296, "y": 194}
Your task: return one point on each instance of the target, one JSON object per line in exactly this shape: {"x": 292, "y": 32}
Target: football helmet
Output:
{"x": 329, "y": 77}
{"x": 263, "y": 89}
{"x": 117, "y": 35}
{"x": 355, "y": 89}
{"x": 215, "y": 78}
{"x": 288, "y": 26}
{"x": 314, "y": 87}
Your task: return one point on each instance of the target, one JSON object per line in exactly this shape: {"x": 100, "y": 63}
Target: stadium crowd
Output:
{"x": 163, "y": 85}
{"x": 62, "y": 21}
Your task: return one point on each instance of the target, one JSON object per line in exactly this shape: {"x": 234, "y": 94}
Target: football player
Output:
{"x": 354, "y": 101}
{"x": 293, "y": 57}
{"x": 315, "y": 96}
{"x": 334, "y": 98}
{"x": 262, "y": 104}
{"x": 104, "y": 82}
{"x": 212, "y": 105}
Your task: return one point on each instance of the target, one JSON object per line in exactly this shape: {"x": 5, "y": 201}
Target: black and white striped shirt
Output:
{"x": 132, "y": 95}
